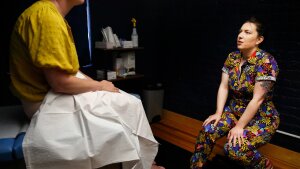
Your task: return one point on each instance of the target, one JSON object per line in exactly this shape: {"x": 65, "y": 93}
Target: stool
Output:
{"x": 13, "y": 125}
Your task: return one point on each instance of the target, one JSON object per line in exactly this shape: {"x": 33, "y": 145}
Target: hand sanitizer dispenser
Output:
{"x": 134, "y": 35}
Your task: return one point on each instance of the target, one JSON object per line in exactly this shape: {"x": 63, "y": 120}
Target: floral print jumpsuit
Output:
{"x": 260, "y": 66}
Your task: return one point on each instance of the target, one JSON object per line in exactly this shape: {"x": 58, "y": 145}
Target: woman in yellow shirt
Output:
{"x": 43, "y": 55}
{"x": 76, "y": 122}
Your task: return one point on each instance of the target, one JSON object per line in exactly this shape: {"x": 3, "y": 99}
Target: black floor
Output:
{"x": 169, "y": 156}
{"x": 173, "y": 157}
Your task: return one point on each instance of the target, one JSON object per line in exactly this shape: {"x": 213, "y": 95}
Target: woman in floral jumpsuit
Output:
{"x": 248, "y": 117}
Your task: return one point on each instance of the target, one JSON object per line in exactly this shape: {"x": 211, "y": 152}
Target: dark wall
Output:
{"x": 77, "y": 19}
{"x": 195, "y": 38}
{"x": 8, "y": 15}
{"x": 186, "y": 43}
{"x": 117, "y": 14}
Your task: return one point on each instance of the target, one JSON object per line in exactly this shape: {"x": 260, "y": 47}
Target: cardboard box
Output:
{"x": 100, "y": 74}
{"x": 129, "y": 62}
{"x": 111, "y": 75}
{"x": 104, "y": 45}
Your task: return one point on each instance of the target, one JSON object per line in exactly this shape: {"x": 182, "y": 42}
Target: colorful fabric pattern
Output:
{"x": 260, "y": 66}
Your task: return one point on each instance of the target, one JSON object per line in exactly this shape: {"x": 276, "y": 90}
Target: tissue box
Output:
{"x": 100, "y": 74}
{"x": 127, "y": 44}
{"x": 119, "y": 66}
{"x": 111, "y": 75}
{"x": 129, "y": 62}
{"x": 104, "y": 45}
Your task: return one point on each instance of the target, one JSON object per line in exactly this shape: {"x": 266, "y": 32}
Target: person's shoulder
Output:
{"x": 230, "y": 62}
{"x": 262, "y": 54}
{"x": 234, "y": 55}
{"x": 39, "y": 9}
{"x": 236, "y": 52}
{"x": 40, "y": 12}
{"x": 266, "y": 57}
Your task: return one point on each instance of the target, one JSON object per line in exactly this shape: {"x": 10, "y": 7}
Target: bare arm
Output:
{"x": 62, "y": 82}
{"x": 221, "y": 100}
{"x": 86, "y": 76}
{"x": 222, "y": 93}
{"x": 261, "y": 88}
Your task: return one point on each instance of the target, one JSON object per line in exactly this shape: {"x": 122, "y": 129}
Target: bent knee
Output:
{"x": 209, "y": 128}
{"x": 232, "y": 151}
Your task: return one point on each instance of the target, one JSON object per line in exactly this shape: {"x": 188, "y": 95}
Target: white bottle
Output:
{"x": 134, "y": 38}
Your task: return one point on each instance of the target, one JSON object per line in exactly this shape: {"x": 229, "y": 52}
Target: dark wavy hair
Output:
{"x": 260, "y": 28}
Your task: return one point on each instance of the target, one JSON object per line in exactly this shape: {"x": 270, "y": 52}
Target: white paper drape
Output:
{"x": 89, "y": 130}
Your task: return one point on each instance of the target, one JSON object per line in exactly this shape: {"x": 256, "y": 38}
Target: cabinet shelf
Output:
{"x": 105, "y": 59}
{"x": 128, "y": 77}
{"x": 136, "y": 76}
{"x": 121, "y": 49}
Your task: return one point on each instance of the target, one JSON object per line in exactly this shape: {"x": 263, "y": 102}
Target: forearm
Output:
{"x": 221, "y": 99}
{"x": 260, "y": 90}
{"x": 62, "y": 82}
{"x": 74, "y": 85}
{"x": 222, "y": 93}
{"x": 249, "y": 113}
{"x": 86, "y": 76}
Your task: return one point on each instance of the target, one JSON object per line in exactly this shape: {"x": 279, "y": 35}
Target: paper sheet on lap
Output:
{"x": 89, "y": 130}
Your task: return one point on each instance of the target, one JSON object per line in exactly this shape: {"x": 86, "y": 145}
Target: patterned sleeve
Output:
{"x": 267, "y": 69}
{"x": 229, "y": 63}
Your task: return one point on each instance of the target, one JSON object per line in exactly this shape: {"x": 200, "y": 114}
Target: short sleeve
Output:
{"x": 53, "y": 46}
{"x": 267, "y": 69}
{"x": 229, "y": 63}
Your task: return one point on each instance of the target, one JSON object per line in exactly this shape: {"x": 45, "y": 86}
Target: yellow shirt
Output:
{"x": 40, "y": 39}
